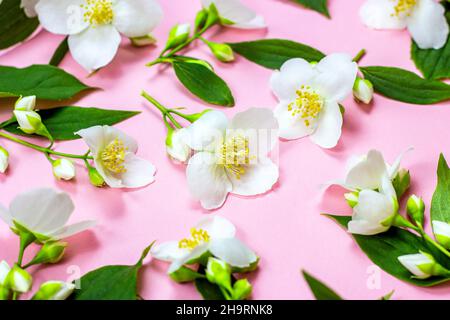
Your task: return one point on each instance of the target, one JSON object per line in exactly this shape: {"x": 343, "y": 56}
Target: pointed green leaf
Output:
{"x": 320, "y": 6}
{"x": 406, "y": 86}
{"x": 15, "y": 26}
{"x": 60, "y": 52}
{"x": 272, "y": 53}
{"x": 43, "y": 81}
{"x": 440, "y": 204}
{"x": 319, "y": 289}
{"x": 62, "y": 122}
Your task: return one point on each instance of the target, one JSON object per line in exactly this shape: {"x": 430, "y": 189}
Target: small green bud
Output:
{"x": 415, "y": 207}
{"x": 352, "y": 198}
{"x": 95, "y": 178}
{"x": 54, "y": 290}
{"x": 221, "y": 51}
{"x": 242, "y": 289}
{"x": 401, "y": 182}
{"x": 178, "y": 35}
{"x": 200, "y": 19}
{"x": 442, "y": 233}
{"x": 143, "y": 41}
{"x": 219, "y": 272}
{"x": 213, "y": 16}
{"x": 363, "y": 90}
{"x": 18, "y": 280}
{"x": 51, "y": 252}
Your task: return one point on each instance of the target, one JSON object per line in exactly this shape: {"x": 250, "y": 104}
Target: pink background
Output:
{"x": 285, "y": 226}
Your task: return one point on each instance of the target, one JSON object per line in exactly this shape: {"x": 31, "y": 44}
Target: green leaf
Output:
{"x": 15, "y": 26}
{"x": 440, "y": 203}
{"x": 208, "y": 290}
{"x": 319, "y": 289}
{"x": 185, "y": 274}
{"x": 111, "y": 282}
{"x": 384, "y": 249}
{"x": 62, "y": 122}
{"x": 272, "y": 53}
{"x": 320, "y": 6}
{"x": 434, "y": 64}
{"x": 387, "y": 296}
{"x": 43, "y": 81}
{"x": 60, "y": 53}
{"x": 203, "y": 83}
{"x": 406, "y": 86}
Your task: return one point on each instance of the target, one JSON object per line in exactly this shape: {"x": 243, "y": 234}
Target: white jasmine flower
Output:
{"x": 115, "y": 157}
{"x": 29, "y": 7}
{"x": 54, "y": 290}
{"x": 424, "y": 19}
{"x": 234, "y": 14}
{"x": 215, "y": 235}
{"x": 44, "y": 213}
{"x": 309, "y": 96}
{"x": 232, "y": 155}
{"x": 64, "y": 169}
{"x": 94, "y": 26}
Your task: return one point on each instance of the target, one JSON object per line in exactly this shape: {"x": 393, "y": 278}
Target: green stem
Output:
{"x": 166, "y": 112}
{"x": 26, "y": 239}
{"x": 43, "y": 149}
{"x": 359, "y": 55}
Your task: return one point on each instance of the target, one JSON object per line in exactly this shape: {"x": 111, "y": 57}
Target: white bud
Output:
{"x": 176, "y": 146}
{"x": 363, "y": 90}
{"x": 419, "y": 264}
{"x": 4, "y": 270}
{"x": 442, "y": 232}
{"x": 29, "y": 121}
{"x": 25, "y": 103}
{"x": 64, "y": 169}
{"x": 54, "y": 290}
{"x": 4, "y": 159}
{"x": 178, "y": 35}
{"x": 19, "y": 280}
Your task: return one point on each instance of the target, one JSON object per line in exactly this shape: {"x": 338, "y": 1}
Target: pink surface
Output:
{"x": 285, "y": 226}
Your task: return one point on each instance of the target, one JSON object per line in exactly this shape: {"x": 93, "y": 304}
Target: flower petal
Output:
{"x": 139, "y": 172}
{"x": 206, "y": 131}
{"x": 168, "y": 251}
{"x": 393, "y": 169}
{"x": 61, "y": 16}
{"x": 207, "y": 181}
{"x": 5, "y": 215}
{"x": 233, "y": 252}
{"x": 217, "y": 227}
{"x": 94, "y": 137}
{"x": 257, "y": 22}
{"x": 368, "y": 173}
{"x": 428, "y": 25}
{"x": 136, "y": 18}
{"x": 337, "y": 75}
{"x": 95, "y": 47}
{"x": 29, "y": 7}
{"x": 71, "y": 230}
{"x": 194, "y": 254}
{"x": 379, "y": 14}
{"x": 235, "y": 12}
{"x": 257, "y": 179}
{"x": 42, "y": 210}
{"x": 290, "y": 127}
{"x": 329, "y": 126}
{"x": 292, "y": 75}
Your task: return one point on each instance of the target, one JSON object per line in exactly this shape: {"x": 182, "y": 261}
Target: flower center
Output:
{"x": 198, "y": 236}
{"x": 307, "y": 105}
{"x": 404, "y": 7}
{"x": 113, "y": 156}
{"x": 235, "y": 154}
{"x": 98, "y": 12}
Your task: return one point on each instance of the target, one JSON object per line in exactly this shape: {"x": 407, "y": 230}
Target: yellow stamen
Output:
{"x": 198, "y": 236}
{"x": 307, "y": 105}
{"x": 235, "y": 155}
{"x": 98, "y": 12}
{"x": 113, "y": 156}
{"x": 404, "y": 7}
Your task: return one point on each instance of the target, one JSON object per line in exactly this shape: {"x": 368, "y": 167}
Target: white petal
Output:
{"x": 367, "y": 174}
{"x": 94, "y": 137}
{"x": 233, "y": 252}
{"x": 5, "y": 215}
{"x": 112, "y": 133}
{"x": 29, "y": 7}
{"x": 168, "y": 251}
{"x": 257, "y": 22}
{"x": 136, "y": 18}
{"x": 329, "y": 126}
{"x": 379, "y": 14}
{"x": 290, "y": 127}
{"x": 337, "y": 75}
{"x": 234, "y": 11}
{"x": 139, "y": 172}
{"x": 257, "y": 179}
{"x": 207, "y": 181}
{"x": 292, "y": 75}
{"x": 194, "y": 254}
{"x": 217, "y": 227}
{"x": 61, "y": 16}
{"x": 179, "y": 150}
{"x": 71, "y": 230}
{"x": 393, "y": 169}
{"x": 206, "y": 131}
{"x": 42, "y": 210}
{"x": 262, "y": 123}
{"x": 365, "y": 227}
{"x": 95, "y": 47}
{"x": 4, "y": 270}
{"x": 441, "y": 228}
{"x": 428, "y": 25}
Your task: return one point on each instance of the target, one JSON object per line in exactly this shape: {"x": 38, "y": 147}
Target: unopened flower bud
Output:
{"x": 63, "y": 169}
{"x": 352, "y": 198}
{"x": 242, "y": 289}
{"x": 95, "y": 178}
{"x": 4, "y": 270}
{"x": 143, "y": 41}
{"x": 178, "y": 35}
{"x": 442, "y": 233}
{"x": 18, "y": 280}
{"x": 363, "y": 90}
{"x": 422, "y": 265}
{"x": 25, "y": 103}
{"x": 221, "y": 51}
{"x": 4, "y": 160}
{"x": 54, "y": 290}
{"x": 176, "y": 146}
{"x": 4, "y": 293}
{"x": 51, "y": 252}
{"x": 219, "y": 272}
{"x": 200, "y": 19}
{"x": 30, "y": 122}
{"x": 415, "y": 207}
